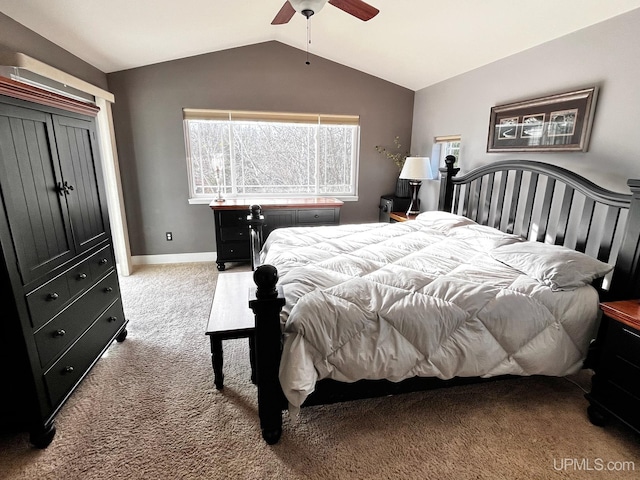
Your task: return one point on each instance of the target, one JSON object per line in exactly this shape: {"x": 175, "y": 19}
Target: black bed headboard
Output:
{"x": 546, "y": 203}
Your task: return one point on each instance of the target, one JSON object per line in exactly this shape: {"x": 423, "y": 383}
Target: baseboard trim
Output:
{"x": 174, "y": 258}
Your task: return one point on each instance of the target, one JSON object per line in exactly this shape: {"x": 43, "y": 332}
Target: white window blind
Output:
{"x": 271, "y": 153}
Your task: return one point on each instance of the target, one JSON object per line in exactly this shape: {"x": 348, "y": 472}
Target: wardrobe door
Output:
{"x": 82, "y": 180}
{"x": 34, "y": 200}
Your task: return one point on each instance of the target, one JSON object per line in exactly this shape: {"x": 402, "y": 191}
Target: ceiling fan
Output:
{"x": 357, "y": 8}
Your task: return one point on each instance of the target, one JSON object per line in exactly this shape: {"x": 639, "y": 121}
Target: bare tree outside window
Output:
{"x": 264, "y": 157}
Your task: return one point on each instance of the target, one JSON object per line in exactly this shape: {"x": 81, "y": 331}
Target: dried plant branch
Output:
{"x": 398, "y": 157}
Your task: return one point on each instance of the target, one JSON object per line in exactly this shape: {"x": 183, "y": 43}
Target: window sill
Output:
{"x": 208, "y": 200}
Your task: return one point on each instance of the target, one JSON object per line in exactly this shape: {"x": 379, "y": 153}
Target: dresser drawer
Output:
{"x": 72, "y": 366}
{"x": 233, "y": 218}
{"x": 47, "y": 300}
{"x": 54, "y": 337}
{"x": 234, "y": 234}
{"x": 79, "y": 278}
{"x": 316, "y": 215}
{"x": 103, "y": 293}
{"x": 101, "y": 262}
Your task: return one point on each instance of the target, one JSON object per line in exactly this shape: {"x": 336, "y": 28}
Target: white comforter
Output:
{"x": 419, "y": 298}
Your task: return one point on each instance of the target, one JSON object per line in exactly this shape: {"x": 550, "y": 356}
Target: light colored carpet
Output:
{"x": 148, "y": 410}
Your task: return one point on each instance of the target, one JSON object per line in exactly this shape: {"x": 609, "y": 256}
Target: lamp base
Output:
{"x": 414, "y": 206}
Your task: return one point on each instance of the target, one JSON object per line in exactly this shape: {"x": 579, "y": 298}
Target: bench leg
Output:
{"x": 217, "y": 362}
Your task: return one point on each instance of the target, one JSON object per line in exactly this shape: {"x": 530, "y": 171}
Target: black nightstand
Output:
{"x": 615, "y": 387}
{"x": 391, "y": 203}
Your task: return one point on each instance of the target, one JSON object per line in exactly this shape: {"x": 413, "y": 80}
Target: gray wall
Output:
{"x": 606, "y": 55}
{"x": 17, "y": 38}
{"x": 268, "y": 76}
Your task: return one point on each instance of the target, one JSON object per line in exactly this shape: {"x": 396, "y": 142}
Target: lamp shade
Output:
{"x": 417, "y": 168}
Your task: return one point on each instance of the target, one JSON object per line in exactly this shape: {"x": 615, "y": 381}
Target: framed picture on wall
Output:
{"x": 560, "y": 122}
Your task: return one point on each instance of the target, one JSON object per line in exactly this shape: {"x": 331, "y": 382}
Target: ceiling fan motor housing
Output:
{"x": 307, "y": 7}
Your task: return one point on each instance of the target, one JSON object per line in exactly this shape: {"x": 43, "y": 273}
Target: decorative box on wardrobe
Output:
{"x": 59, "y": 287}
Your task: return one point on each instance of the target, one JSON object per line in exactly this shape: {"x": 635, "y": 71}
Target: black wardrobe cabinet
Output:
{"x": 59, "y": 288}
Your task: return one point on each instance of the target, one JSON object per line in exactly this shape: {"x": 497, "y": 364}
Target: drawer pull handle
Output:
{"x": 112, "y": 319}
{"x": 68, "y": 369}
{"x": 108, "y": 289}
{"x": 82, "y": 276}
{"x": 59, "y": 333}
{"x": 103, "y": 261}
{"x": 53, "y": 296}
{"x": 316, "y": 216}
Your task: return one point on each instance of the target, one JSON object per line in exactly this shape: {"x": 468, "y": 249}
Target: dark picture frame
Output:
{"x": 556, "y": 123}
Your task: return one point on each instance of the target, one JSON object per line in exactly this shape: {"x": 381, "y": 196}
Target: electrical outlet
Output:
{"x": 169, "y": 236}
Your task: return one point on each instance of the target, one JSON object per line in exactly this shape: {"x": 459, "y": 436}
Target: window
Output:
{"x": 446, "y": 145}
{"x": 270, "y": 154}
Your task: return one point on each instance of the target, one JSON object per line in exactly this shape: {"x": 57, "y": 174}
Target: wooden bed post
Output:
{"x": 266, "y": 301}
{"x": 625, "y": 283}
{"x": 447, "y": 173}
{"x": 256, "y": 221}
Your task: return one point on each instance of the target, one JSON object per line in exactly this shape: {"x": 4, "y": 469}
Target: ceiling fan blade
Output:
{"x": 284, "y": 15}
{"x": 357, "y": 8}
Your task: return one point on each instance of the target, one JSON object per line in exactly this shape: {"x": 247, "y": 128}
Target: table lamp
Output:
{"x": 415, "y": 170}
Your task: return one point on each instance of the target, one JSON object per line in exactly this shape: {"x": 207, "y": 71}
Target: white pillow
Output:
{"x": 557, "y": 267}
{"x": 443, "y": 220}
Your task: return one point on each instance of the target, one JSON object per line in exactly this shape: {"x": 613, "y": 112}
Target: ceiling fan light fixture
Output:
{"x": 307, "y": 7}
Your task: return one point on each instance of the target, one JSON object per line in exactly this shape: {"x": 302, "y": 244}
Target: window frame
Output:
{"x": 442, "y": 147}
{"x": 277, "y": 117}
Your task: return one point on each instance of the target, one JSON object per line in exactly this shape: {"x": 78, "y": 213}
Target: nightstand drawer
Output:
{"x": 317, "y": 215}
{"x": 615, "y": 387}
{"x": 624, "y": 342}
{"x": 624, "y": 374}
{"x": 620, "y": 402}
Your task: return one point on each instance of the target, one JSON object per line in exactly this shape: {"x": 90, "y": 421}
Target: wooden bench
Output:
{"x": 231, "y": 318}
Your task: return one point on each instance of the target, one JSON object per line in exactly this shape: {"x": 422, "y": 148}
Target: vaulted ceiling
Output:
{"x": 413, "y": 43}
